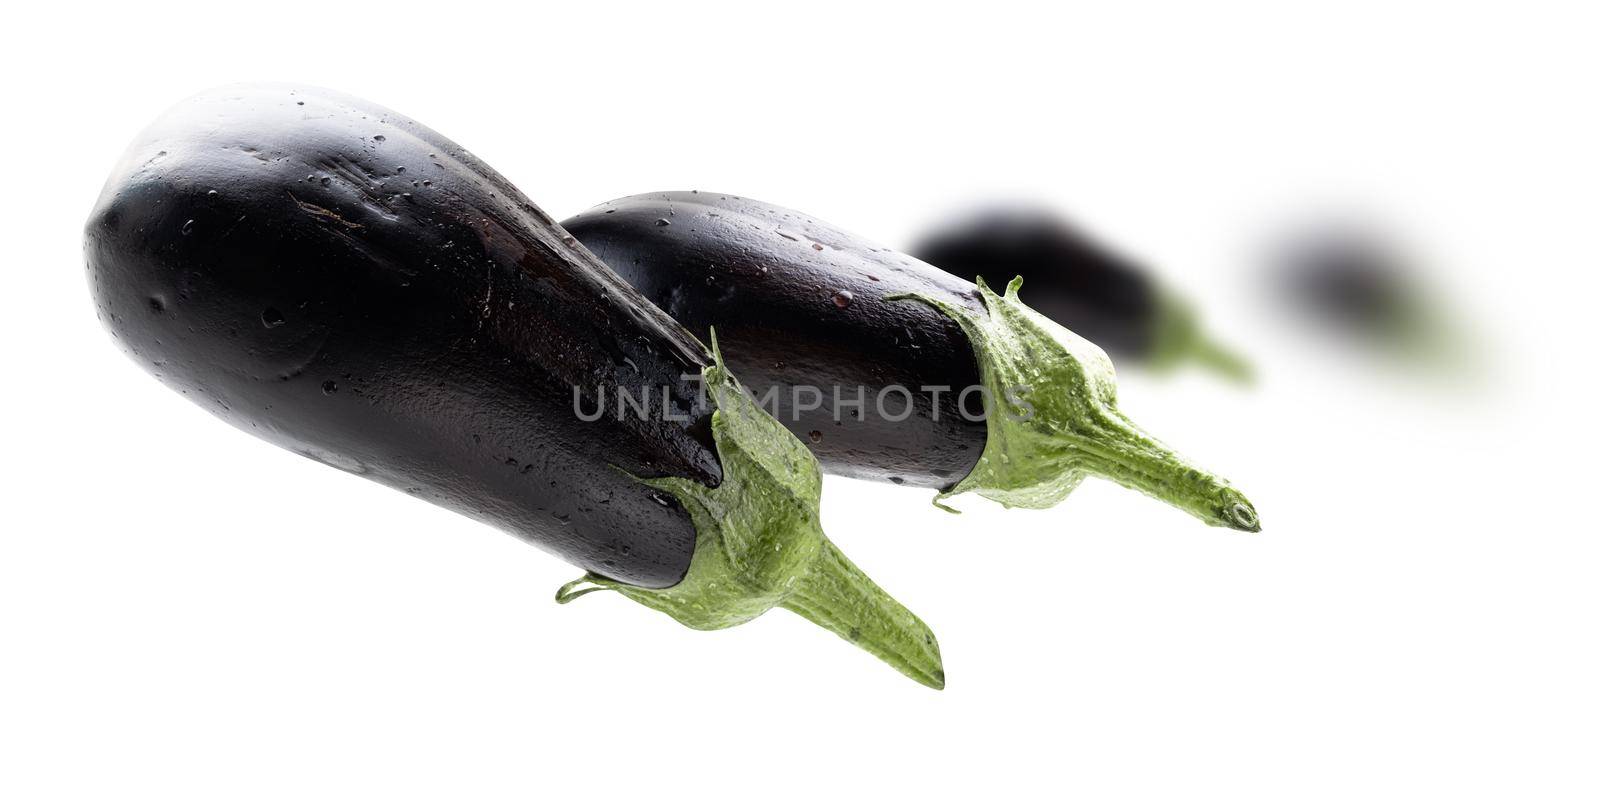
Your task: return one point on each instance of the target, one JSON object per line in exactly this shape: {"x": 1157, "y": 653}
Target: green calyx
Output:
{"x": 1051, "y": 402}
{"x": 1179, "y": 339}
{"x": 759, "y": 545}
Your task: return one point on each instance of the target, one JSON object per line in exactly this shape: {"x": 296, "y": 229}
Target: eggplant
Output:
{"x": 1362, "y": 288}
{"x": 1350, "y": 282}
{"x": 1082, "y": 284}
{"x": 878, "y": 359}
{"x": 341, "y": 281}
{"x": 1355, "y": 282}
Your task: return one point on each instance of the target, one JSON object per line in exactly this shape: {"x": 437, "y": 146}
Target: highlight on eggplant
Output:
{"x": 1082, "y": 284}
{"x": 339, "y": 280}
{"x": 830, "y": 323}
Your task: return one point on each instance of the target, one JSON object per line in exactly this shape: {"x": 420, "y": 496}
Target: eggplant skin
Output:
{"x": 1069, "y": 277}
{"x": 341, "y": 281}
{"x": 798, "y": 303}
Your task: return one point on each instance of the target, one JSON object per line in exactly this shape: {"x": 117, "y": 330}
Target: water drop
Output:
{"x": 348, "y": 464}
{"x": 271, "y": 318}
{"x": 378, "y": 138}
{"x": 815, "y": 435}
{"x": 188, "y": 227}
{"x": 330, "y": 387}
{"x": 661, "y": 222}
{"x": 843, "y": 298}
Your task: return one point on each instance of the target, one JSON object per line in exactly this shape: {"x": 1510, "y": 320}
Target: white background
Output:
{"x": 184, "y": 609}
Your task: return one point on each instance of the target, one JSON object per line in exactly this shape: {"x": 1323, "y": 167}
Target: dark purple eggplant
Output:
{"x": 1359, "y": 286}
{"x": 341, "y": 281}
{"x": 876, "y": 358}
{"x": 1080, "y": 283}
{"x": 1357, "y": 283}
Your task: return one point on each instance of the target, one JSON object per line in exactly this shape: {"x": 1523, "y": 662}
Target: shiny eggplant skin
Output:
{"x": 798, "y": 303}
{"x": 1070, "y": 278}
{"x": 341, "y": 281}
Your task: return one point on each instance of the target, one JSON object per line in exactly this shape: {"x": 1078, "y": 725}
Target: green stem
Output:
{"x": 1222, "y": 360}
{"x": 1179, "y": 339}
{"x": 1118, "y": 450}
{"x": 759, "y": 545}
{"x": 1052, "y": 416}
{"x": 841, "y": 598}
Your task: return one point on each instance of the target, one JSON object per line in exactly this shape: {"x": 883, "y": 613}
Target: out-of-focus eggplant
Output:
{"x": 1081, "y": 284}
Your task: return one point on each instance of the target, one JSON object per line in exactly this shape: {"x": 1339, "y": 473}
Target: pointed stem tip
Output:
{"x": 1118, "y": 450}
{"x": 838, "y": 596}
{"x": 1240, "y": 515}
{"x": 1222, "y": 360}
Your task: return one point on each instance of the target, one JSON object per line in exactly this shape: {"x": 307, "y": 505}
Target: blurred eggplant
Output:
{"x": 1080, "y": 283}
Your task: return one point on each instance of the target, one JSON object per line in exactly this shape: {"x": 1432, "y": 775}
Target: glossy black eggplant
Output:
{"x": 817, "y": 320}
{"x": 875, "y": 358}
{"x": 1080, "y": 283}
{"x": 344, "y": 282}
